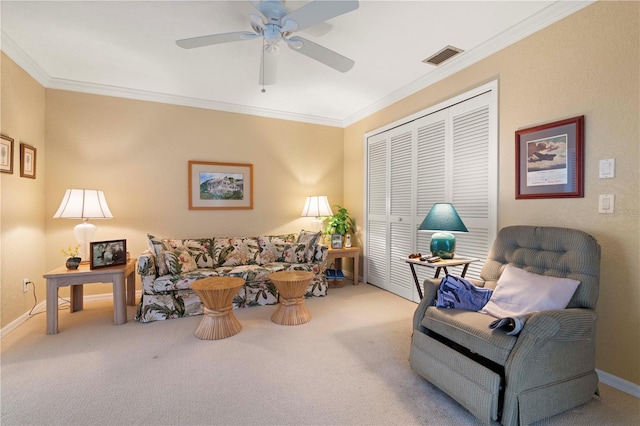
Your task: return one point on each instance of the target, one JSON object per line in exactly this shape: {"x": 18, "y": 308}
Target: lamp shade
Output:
{"x": 83, "y": 204}
{"x": 317, "y": 206}
{"x": 443, "y": 217}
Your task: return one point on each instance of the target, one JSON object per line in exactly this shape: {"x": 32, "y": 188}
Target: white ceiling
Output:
{"x": 127, "y": 49}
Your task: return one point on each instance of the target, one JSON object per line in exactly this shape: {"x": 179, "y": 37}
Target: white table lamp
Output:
{"x": 317, "y": 206}
{"x": 84, "y": 204}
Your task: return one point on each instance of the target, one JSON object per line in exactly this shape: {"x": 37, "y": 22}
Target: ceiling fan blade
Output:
{"x": 317, "y": 11}
{"x": 190, "y": 43}
{"x": 320, "y": 54}
{"x": 268, "y": 68}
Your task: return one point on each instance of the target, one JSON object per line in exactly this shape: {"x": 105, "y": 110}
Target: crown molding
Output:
{"x": 550, "y": 15}
{"x": 24, "y": 61}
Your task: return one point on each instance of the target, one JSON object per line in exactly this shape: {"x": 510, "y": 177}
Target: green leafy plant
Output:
{"x": 340, "y": 223}
{"x": 70, "y": 251}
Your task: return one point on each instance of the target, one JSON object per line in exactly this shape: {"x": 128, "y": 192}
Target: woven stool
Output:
{"x": 291, "y": 286}
{"x": 217, "y": 294}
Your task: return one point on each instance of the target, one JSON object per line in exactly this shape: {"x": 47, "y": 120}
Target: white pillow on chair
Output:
{"x": 519, "y": 292}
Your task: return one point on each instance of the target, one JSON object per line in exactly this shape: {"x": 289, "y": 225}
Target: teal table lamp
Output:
{"x": 443, "y": 219}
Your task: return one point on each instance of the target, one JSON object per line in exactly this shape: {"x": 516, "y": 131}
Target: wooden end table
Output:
{"x": 76, "y": 278}
{"x": 338, "y": 254}
{"x": 217, "y": 295}
{"x": 291, "y": 287}
{"x": 438, "y": 266}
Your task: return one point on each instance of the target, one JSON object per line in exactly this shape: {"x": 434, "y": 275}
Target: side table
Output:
{"x": 352, "y": 252}
{"x": 291, "y": 286}
{"x": 76, "y": 278}
{"x": 216, "y": 294}
{"x": 438, "y": 266}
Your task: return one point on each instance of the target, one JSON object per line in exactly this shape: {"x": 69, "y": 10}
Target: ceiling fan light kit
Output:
{"x": 274, "y": 23}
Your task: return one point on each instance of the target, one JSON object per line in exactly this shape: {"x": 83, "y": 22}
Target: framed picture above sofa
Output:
{"x": 220, "y": 185}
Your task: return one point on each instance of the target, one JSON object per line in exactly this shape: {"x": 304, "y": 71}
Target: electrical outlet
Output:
{"x": 25, "y": 285}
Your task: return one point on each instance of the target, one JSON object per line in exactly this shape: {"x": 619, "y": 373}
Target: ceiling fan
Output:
{"x": 274, "y": 22}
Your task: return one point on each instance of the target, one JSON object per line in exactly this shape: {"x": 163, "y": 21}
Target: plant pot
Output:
{"x": 73, "y": 262}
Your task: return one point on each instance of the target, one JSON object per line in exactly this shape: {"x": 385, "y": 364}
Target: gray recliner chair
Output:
{"x": 546, "y": 369}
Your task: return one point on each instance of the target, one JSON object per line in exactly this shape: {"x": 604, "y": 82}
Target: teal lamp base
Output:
{"x": 443, "y": 244}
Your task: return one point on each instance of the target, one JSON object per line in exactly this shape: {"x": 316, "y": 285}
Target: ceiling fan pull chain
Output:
{"x": 262, "y": 70}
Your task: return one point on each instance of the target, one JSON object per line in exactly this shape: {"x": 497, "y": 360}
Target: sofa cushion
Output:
{"x": 311, "y": 238}
{"x": 179, "y": 261}
{"x": 519, "y": 292}
{"x": 230, "y": 251}
{"x": 471, "y": 330}
{"x": 157, "y": 247}
{"x": 180, "y": 282}
{"x": 200, "y": 249}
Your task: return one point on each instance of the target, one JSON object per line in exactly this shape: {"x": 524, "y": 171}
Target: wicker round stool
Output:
{"x": 291, "y": 286}
{"x": 216, "y": 294}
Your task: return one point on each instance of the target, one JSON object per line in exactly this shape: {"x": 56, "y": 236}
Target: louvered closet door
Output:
{"x": 431, "y": 183}
{"x": 401, "y": 210}
{"x": 448, "y": 154}
{"x": 473, "y": 187}
{"x": 458, "y": 172}
{"x": 377, "y": 262}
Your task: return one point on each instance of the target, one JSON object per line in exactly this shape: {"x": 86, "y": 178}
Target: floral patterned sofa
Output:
{"x": 170, "y": 266}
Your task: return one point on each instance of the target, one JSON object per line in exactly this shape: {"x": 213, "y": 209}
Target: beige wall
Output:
{"x": 137, "y": 153}
{"x": 22, "y": 249}
{"x": 587, "y": 64}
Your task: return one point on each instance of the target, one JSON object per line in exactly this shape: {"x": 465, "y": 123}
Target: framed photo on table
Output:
{"x": 108, "y": 253}
{"x": 336, "y": 241}
{"x": 220, "y": 186}
{"x": 550, "y": 160}
{"x": 6, "y": 154}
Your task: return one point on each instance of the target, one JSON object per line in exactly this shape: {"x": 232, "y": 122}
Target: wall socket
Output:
{"x": 25, "y": 285}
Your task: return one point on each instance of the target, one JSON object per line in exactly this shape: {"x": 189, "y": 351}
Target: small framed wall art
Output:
{"x": 220, "y": 186}
{"x": 550, "y": 160}
{"x": 27, "y": 161}
{"x": 108, "y": 253}
{"x": 6, "y": 154}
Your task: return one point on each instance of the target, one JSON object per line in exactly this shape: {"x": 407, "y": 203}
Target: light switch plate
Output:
{"x": 606, "y": 204}
{"x": 607, "y": 168}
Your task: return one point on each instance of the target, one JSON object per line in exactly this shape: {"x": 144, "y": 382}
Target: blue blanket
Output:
{"x": 458, "y": 293}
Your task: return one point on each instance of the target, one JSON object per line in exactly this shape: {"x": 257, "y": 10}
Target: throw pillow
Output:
{"x": 179, "y": 261}
{"x": 292, "y": 252}
{"x": 235, "y": 251}
{"x": 157, "y": 247}
{"x": 519, "y": 292}
{"x": 311, "y": 239}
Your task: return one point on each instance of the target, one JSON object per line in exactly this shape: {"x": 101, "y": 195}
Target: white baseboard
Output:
{"x": 41, "y": 308}
{"x": 618, "y": 383}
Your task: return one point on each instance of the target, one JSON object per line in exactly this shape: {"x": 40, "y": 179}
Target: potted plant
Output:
{"x": 338, "y": 225}
{"x": 73, "y": 261}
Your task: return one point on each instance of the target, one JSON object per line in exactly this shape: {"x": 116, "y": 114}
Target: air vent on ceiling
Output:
{"x": 444, "y": 54}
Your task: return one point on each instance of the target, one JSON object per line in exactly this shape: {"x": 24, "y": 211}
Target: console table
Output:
{"x": 338, "y": 254}
{"x": 438, "y": 266}
{"x": 76, "y": 278}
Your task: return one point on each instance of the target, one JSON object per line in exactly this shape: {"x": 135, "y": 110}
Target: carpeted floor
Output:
{"x": 348, "y": 366}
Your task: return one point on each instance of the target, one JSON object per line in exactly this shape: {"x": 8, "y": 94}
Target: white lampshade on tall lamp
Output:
{"x": 83, "y": 204}
{"x": 444, "y": 219}
{"x": 317, "y": 206}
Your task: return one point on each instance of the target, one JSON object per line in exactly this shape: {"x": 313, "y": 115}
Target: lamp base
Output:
{"x": 443, "y": 244}
{"x": 84, "y": 233}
